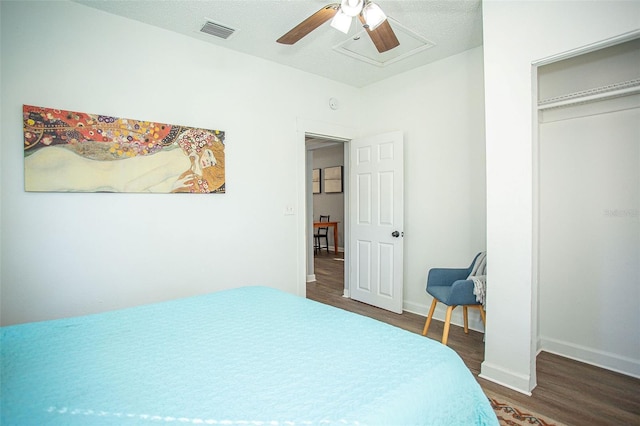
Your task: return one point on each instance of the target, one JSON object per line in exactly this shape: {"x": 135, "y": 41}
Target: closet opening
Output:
{"x": 587, "y": 205}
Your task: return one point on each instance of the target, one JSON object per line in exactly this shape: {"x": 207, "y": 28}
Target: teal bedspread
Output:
{"x": 249, "y": 356}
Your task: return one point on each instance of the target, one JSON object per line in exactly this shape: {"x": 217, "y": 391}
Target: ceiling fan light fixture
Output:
{"x": 341, "y": 14}
{"x": 373, "y": 15}
{"x": 351, "y": 7}
{"x": 341, "y": 22}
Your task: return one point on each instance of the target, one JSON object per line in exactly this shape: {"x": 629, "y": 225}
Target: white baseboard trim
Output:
{"x": 598, "y": 358}
{"x": 508, "y": 379}
{"x": 311, "y": 278}
{"x": 475, "y": 322}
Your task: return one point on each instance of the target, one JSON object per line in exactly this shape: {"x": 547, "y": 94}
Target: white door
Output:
{"x": 376, "y": 220}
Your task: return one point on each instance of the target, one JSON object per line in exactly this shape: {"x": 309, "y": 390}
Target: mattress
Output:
{"x": 248, "y": 356}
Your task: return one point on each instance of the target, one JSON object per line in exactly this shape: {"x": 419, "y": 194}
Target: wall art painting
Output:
{"x": 68, "y": 151}
{"x": 315, "y": 181}
{"x": 333, "y": 180}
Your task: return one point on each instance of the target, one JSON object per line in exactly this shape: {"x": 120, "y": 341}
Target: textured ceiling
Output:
{"x": 451, "y": 26}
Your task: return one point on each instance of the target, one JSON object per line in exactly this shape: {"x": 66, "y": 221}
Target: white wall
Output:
{"x": 440, "y": 108}
{"x": 70, "y": 254}
{"x": 97, "y": 252}
{"x": 516, "y": 34}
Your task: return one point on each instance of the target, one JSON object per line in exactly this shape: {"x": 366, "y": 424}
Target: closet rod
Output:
{"x": 579, "y": 98}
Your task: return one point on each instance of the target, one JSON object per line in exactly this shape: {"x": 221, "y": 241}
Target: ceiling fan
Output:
{"x": 369, "y": 14}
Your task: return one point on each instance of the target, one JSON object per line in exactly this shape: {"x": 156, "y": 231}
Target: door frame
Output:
{"x": 330, "y": 141}
{"x": 304, "y": 220}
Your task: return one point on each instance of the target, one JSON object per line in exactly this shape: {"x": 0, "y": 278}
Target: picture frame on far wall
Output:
{"x": 315, "y": 181}
{"x": 333, "y": 180}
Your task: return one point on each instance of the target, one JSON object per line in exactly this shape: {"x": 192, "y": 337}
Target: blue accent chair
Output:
{"x": 451, "y": 287}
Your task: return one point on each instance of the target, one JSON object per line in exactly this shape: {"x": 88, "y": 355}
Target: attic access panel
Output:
{"x": 360, "y": 46}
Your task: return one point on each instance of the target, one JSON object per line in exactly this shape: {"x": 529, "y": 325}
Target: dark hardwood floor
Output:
{"x": 568, "y": 391}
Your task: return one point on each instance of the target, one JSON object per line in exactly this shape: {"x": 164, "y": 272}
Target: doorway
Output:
{"x": 373, "y": 218}
{"x": 326, "y": 183}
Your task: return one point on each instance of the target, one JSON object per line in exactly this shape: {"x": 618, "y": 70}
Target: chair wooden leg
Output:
{"x": 428, "y": 321}
{"x": 465, "y": 315}
{"x": 447, "y": 323}
{"x": 483, "y": 316}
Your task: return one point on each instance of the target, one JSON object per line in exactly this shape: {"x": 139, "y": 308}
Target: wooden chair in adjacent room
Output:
{"x": 321, "y": 233}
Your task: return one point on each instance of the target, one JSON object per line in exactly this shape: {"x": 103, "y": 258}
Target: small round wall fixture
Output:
{"x": 333, "y": 103}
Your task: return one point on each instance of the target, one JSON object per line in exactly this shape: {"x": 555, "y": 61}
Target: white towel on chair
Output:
{"x": 479, "y": 277}
{"x": 480, "y": 267}
{"x": 480, "y": 288}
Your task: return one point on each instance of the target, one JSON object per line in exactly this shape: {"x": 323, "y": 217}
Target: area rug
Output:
{"x": 512, "y": 414}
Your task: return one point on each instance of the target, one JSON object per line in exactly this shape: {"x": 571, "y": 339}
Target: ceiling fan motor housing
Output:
{"x": 351, "y": 7}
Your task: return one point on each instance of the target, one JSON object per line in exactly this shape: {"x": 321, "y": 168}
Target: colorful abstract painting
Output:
{"x": 68, "y": 151}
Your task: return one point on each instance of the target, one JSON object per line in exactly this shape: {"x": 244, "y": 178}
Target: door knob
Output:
{"x": 395, "y": 234}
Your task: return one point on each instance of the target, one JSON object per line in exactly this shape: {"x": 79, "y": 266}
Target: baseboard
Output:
{"x": 311, "y": 278}
{"x": 475, "y": 322}
{"x": 508, "y": 379}
{"x": 602, "y": 359}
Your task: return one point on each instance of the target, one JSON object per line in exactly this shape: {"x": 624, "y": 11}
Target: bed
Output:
{"x": 247, "y": 356}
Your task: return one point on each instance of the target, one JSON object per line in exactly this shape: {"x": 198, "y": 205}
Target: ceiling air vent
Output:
{"x": 217, "y": 30}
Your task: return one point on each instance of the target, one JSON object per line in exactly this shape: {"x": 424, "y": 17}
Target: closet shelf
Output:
{"x": 625, "y": 88}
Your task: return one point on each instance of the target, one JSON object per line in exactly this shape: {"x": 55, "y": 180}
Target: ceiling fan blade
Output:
{"x": 309, "y": 24}
{"x": 383, "y": 36}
